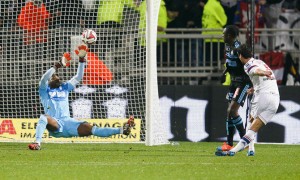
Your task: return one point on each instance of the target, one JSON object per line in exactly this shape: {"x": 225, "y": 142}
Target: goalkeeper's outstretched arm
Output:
{"x": 81, "y": 52}
{"x": 44, "y": 80}
{"x": 79, "y": 75}
{"x": 65, "y": 61}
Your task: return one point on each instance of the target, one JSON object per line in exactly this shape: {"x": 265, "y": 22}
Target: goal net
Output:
{"x": 120, "y": 77}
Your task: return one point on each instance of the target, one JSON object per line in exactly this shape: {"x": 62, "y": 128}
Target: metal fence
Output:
{"x": 183, "y": 59}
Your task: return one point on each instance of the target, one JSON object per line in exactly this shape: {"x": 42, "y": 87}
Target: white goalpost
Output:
{"x": 155, "y": 133}
{"x": 120, "y": 77}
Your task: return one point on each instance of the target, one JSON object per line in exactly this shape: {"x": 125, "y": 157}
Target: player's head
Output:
{"x": 244, "y": 52}
{"x": 54, "y": 81}
{"x": 230, "y": 33}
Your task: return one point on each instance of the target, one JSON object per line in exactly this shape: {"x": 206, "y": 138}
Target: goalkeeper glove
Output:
{"x": 64, "y": 62}
{"x": 81, "y": 52}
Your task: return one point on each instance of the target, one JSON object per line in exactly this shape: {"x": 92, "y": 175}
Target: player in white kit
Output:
{"x": 265, "y": 99}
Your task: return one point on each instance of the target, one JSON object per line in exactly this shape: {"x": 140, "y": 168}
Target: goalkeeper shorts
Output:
{"x": 67, "y": 127}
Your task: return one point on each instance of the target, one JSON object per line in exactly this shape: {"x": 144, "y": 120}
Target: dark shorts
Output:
{"x": 238, "y": 92}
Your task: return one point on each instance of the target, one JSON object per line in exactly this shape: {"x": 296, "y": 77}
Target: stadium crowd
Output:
{"x": 36, "y": 18}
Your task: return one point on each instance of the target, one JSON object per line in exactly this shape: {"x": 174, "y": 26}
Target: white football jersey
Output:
{"x": 261, "y": 83}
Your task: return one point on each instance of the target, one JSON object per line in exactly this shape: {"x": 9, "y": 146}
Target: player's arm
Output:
{"x": 46, "y": 77}
{"x": 81, "y": 52}
{"x": 62, "y": 63}
{"x": 257, "y": 70}
{"x": 223, "y": 75}
{"x": 260, "y": 72}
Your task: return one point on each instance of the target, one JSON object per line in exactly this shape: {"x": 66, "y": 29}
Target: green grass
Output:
{"x": 137, "y": 161}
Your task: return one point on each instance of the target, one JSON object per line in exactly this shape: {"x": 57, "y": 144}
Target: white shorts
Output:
{"x": 264, "y": 106}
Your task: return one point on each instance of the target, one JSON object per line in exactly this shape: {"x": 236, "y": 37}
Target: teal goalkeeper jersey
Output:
{"x": 56, "y": 101}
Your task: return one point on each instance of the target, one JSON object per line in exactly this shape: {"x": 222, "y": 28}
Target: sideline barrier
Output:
{"x": 23, "y": 130}
{"x": 198, "y": 113}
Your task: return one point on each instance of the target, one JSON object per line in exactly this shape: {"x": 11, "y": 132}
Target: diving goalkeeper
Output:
{"x": 54, "y": 98}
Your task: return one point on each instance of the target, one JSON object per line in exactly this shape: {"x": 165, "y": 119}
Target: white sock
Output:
{"x": 251, "y": 144}
{"x": 249, "y": 136}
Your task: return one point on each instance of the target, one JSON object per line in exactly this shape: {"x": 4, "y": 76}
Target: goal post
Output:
{"x": 155, "y": 132}
{"x": 120, "y": 77}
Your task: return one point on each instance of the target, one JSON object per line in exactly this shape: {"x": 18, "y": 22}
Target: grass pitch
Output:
{"x": 137, "y": 161}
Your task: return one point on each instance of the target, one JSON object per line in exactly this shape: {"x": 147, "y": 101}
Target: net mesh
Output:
{"x": 34, "y": 35}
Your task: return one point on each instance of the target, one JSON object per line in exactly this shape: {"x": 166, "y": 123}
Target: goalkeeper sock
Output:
{"x": 238, "y": 123}
{"x": 106, "y": 132}
{"x": 244, "y": 141}
{"x": 230, "y": 129}
{"x": 40, "y": 129}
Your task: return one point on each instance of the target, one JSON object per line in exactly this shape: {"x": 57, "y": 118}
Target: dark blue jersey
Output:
{"x": 233, "y": 64}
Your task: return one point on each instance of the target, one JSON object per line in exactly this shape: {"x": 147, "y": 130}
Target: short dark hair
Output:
{"x": 245, "y": 51}
{"x": 232, "y": 30}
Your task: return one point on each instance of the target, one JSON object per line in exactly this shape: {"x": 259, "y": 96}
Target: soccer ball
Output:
{"x": 89, "y": 36}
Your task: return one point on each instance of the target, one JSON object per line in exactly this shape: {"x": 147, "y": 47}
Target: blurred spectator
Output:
{"x": 96, "y": 72}
{"x": 242, "y": 18}
{"x": 282, "y": 65}
{"x": 66, "y": 13}
{"x": 213, "y": 17}
{"x": 11, "y": 44}
{"x": 230, "y": 7}
{"x": 275, "y": 60}
{"x": 33, "y": 19}
{"x": 9, "y": 11}
{"x": 167, "y": 13}
{"x": 271, "y": 12}
{"x": 140, "y": 49}
{"x": 190, "y": 13}
{"x": 90, "y": 13}
{"x": 286, "y": 4}
{"x": 298, "y": 5}
{"x": 109, "y": 19}
{"x": 290, "y": 68}
{"x": 110, "y": 13}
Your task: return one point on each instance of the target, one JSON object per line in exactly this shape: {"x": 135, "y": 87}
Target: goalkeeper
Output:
{"x": 54, "y": 98}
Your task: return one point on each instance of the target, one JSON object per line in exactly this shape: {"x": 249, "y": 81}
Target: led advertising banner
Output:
{"x": 198, "y": 113}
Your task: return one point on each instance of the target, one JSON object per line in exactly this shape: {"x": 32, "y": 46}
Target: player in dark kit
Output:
{"x": 239, "y": 85}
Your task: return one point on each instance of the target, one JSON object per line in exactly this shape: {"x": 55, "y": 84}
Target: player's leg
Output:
{"x": 261, "y": 112}
{"x": 246, "y": 139}
{"x": 249, "y": 136}
{"x": 230, "y": 128}
{"x": 235, "y": 119}
{"x": 236, "y": 96}
{"x": 43, "y": 123}
{"x": 251, "y": 150}
{"x": 85, "y": 129}
{"x": 232, "y": 116}
{"x": 238, "y": 100}
{"x": 73, "y": 128}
